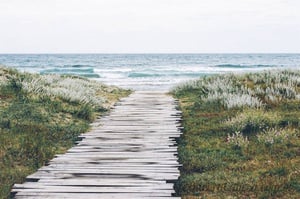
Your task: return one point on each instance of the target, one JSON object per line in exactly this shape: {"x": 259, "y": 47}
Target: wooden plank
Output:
{"x": 35, "y": 195}
{"x": 157, "y": 174}
{"x": 106, "y": 182}
{"x": 90, "y": 189}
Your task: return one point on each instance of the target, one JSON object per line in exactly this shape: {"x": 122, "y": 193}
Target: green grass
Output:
{"x": 241, "y": 136}
{"x": 39, "y": 118}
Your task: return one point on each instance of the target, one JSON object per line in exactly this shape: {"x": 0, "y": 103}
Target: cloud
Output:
{"x": 179, "y": 25}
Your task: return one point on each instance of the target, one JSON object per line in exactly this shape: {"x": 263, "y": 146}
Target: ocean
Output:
{"x": 147, "y": 71}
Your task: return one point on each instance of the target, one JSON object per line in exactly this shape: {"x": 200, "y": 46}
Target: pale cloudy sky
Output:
{"x": 149, "y": 26}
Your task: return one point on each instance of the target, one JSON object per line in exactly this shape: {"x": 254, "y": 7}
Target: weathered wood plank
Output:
{"x": 34, "y": 195}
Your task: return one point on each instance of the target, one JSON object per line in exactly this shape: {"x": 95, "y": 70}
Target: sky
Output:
{"x": 150, "y": 26}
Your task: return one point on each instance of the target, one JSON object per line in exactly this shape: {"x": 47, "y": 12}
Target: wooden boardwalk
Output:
{"x": 131, "y": 153}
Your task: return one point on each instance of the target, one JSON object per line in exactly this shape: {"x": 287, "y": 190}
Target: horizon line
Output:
{"x": 137, "y": 53}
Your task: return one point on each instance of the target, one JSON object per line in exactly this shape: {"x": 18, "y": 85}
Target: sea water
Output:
{"x": 147, "y": 71}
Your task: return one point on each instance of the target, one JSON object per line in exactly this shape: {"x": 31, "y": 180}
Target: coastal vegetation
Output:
{"x": 42, "y": 115}
{"x": 241, "y": 136}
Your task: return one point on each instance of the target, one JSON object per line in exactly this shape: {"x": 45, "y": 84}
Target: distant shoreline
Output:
{"x": 148, "y": 71}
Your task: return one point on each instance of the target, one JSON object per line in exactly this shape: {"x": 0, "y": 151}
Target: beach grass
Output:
{"x": 241, "y": 136}
{"x": 42, "y": 115}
